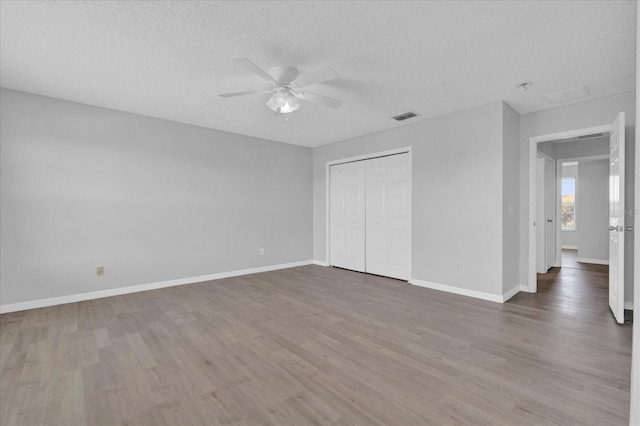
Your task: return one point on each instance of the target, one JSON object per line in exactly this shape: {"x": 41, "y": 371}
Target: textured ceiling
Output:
{"x": 172, "y": 59}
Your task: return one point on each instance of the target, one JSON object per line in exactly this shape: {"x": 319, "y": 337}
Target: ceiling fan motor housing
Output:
{"x": 284, "y": 74}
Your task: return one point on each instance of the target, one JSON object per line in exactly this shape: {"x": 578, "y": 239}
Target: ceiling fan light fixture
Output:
{"x": 283, "y": 101}
{"x": 282, "y": 78}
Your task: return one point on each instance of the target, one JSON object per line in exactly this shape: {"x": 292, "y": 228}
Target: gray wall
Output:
{"x": 576, "y": 149}
{"x": 585, "y": 148}
{"x": 153, "y": 200}
{"x": 576, "y": 116}
{"x": 149, "y": 199}
{"x": 511, "y": 198}
{"x": 457, "y": 194}
{"x": 570, "y": 238}
{"x": 593, "y": 200}
{"x": 548, "y": 148}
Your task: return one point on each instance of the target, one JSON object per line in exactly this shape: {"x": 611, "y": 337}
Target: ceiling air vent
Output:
{"x": 568, "y": 95}
{"x": 405, "y": 116}
{"x": 595, "y": 135}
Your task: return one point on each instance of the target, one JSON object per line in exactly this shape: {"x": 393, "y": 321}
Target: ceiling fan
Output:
{"x": 288, "y": 87}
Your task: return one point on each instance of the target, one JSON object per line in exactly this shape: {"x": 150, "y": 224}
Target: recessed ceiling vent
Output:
{"x": 568, "y": 95}
{"x": 405, "y": 116}
{"x": 595, "y": 135}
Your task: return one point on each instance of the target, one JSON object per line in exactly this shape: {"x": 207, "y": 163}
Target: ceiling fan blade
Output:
{"x": 250, "y": 92}
{"x": 255, "y": 69}
{"x": 315, "y": 78}
{"x": 318, "y": 99}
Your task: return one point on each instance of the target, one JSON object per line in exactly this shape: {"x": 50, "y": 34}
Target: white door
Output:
{"x": 399, "y": 216}
{"x": 355, "y": 219}
{"x": 337, "y": 215}
{"x": 550, "y": 212}
{"x": 388, "y": 200}
{"x": 541, "y": 217}
{"x": 376, "y": 202}
{"x": 616, "y": 219}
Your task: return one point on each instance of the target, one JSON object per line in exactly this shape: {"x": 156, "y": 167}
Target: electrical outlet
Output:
{"x": 261, "y": 251}
{"x": 458, "y": 266}
{"x": 100, "y": 270}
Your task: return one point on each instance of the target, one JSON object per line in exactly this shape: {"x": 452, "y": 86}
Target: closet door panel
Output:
{"x": 338, "y": 220}
{"x": 376, "y": 214}
{"x": 399, "y": 216}
{"x": 355, "y": 217}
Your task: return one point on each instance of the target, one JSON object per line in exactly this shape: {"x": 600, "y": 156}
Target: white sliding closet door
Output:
{"x": 399, "y": 216}
{"x": 338, "y": 217}
{"x": 355, "y": 217}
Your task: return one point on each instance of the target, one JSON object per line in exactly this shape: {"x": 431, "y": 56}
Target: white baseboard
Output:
{"x": 463, "y": 291}
{"x": 526, "y": 289}
{"x": 42, "y": 303}
{"x": 595, "y": 261}
{"x": 510, "y": 293}
{"x": 320, "y": 263}
{"x": 570, "y": 247}
{"x": 628, "y": 306}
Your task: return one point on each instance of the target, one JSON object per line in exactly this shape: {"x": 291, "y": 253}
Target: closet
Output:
{"x": 370, "y": 215}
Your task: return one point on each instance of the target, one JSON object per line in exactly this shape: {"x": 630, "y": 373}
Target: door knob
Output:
{"x": 549, "y": 220}
{"x": 629, "y": 228}
{"x": 613, "y": 228}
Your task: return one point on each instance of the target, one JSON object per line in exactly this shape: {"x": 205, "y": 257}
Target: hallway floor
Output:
{"x": 579, "y": 289}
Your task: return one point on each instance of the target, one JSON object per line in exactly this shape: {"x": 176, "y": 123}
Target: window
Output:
{"x": 569, "y": 204}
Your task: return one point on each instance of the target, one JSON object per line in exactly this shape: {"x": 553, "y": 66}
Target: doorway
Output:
{"x": 615, "y": 213}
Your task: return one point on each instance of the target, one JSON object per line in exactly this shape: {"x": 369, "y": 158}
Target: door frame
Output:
{"x": 532, "y": 285}
{"x": 395, "y": 151}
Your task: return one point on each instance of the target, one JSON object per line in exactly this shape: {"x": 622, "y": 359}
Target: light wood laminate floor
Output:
{"x": 314, "y": 345}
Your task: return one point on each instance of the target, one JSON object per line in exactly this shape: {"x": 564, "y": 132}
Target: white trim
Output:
{"x": 370, "y": 156}
{"x": 570, "y": 247}
{"x": 586, "y": 158}
{"x": 628, "y": 306}
{"x": 604, "y": 128}
{"x": 327, "y": 196}
{"x": 461, "y": 291}
{"x": 320, "y": 263}
{"x": 71, "y": 298}
{"x": 510, "y": 293}
{"x": 525, "y": 288}
{"x": 594, "y": 261}
{"x": 634, "y": 406}
{"x": 558, "y": 212}
{"x": 532, "y": 285}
